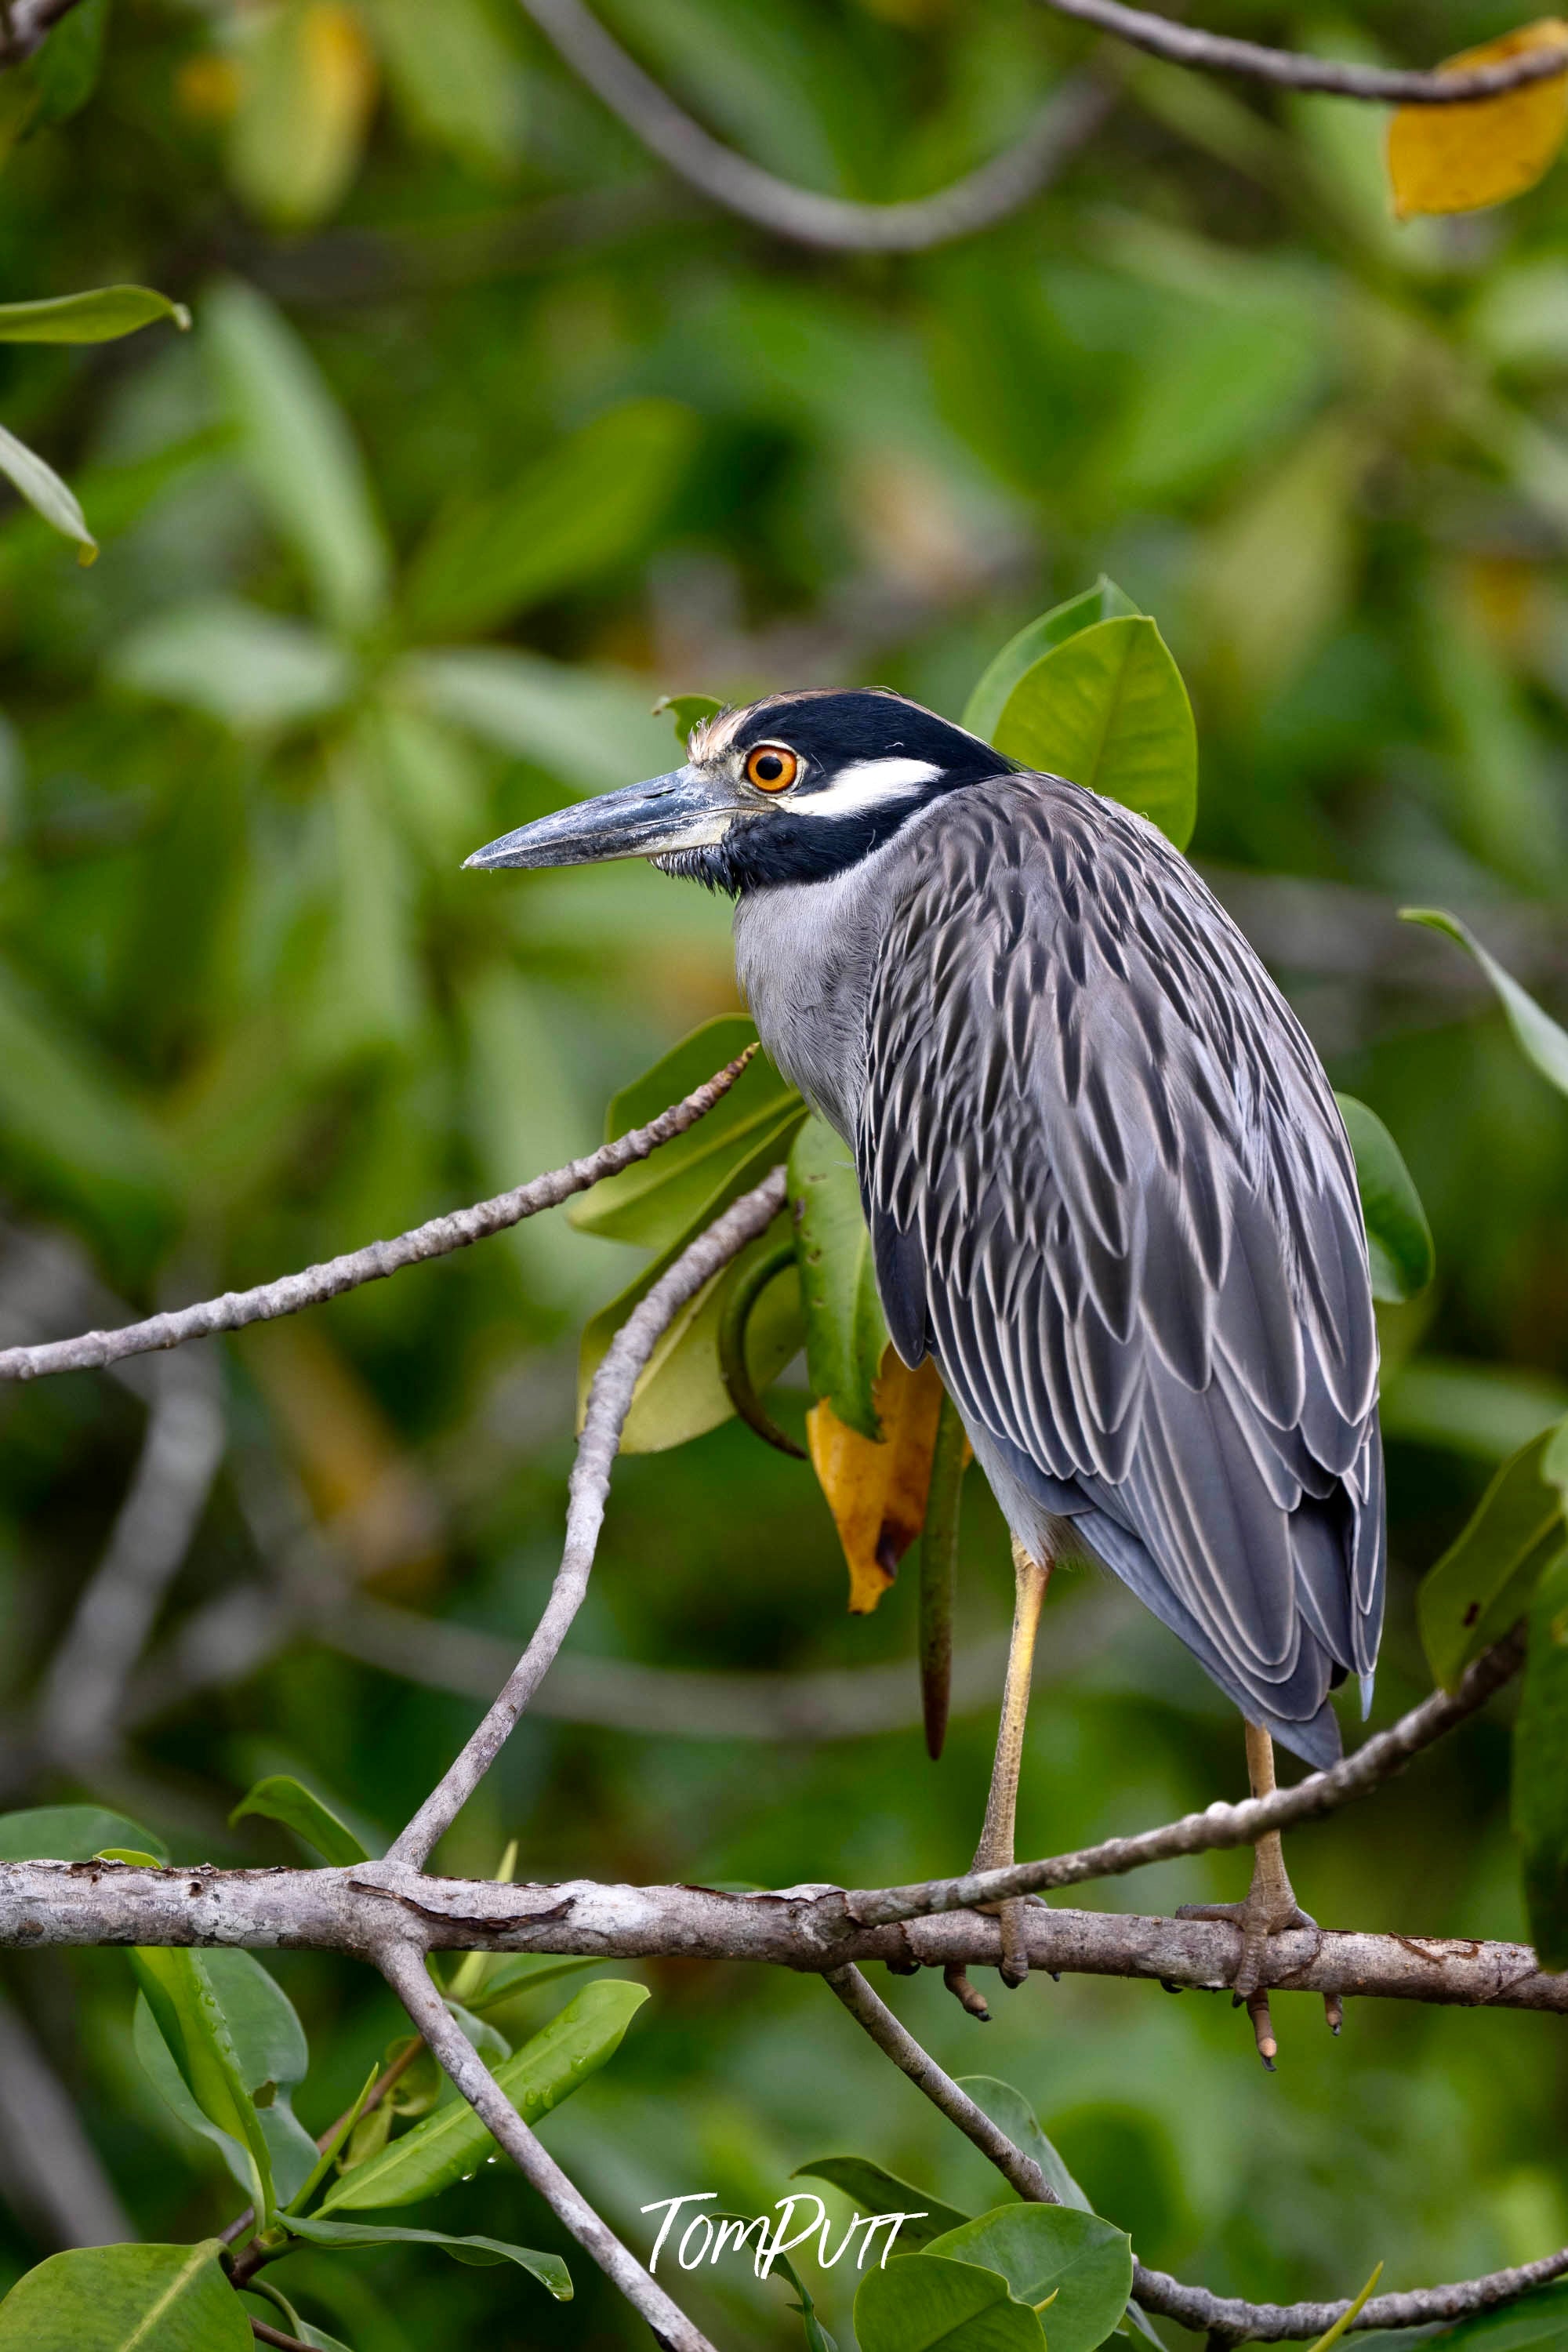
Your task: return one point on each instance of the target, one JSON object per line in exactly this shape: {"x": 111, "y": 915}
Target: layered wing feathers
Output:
{"x": 1109, "y": 1188}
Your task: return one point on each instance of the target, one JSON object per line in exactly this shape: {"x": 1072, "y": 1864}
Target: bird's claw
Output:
{"x": 1263, "y": 1914}
{"x": 956, "y": 1979}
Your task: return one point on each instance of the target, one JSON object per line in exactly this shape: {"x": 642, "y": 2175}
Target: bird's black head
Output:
{"x": 791, "y": 788}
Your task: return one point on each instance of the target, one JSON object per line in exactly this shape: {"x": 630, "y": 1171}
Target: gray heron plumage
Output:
{"x": 1107, "y": 1186}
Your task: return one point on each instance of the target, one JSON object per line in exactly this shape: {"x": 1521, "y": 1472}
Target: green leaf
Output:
{"x": 71, "y": 1833}
{"x": 1543, "y": 1041}
{"x": 270, "y": 2055}
{"x": 513, "y": 1974}
{"x": 1398, "y": 1237}
{"x": 845, "y": 1331}
{"x": 586, "y": 506}
{"x": 126, "y": 2299}
{"x": 548, "y": 2269}
{"x": 1540, "y": 1767}
{"x": 280, "y": 1798}
{"x": 655, "y": 1200}
{"x": 99, "y": 316}
{"x": 249, "y": 670}
{"x": 1048, "y": 2252}
{"x": 45, "y": 492}
{"x": 687, "y": 710}
{"x": 1485, "y": 1579}
{"x": 1108, "y": 710}
{"x": 877, "y": 2190}
{"x": 1010, "y": 2111}
{"x": 300, "y": 455}
{"x": 64, "y": 73}
{"x": 1104, "y": 602}
{"x": 927, "y": 2304}
{"x": 681, "y": 1392}
{"x": 191, "y": 1995}
{"x": 536, "y": 2078}
{"x": 457, "y": 81}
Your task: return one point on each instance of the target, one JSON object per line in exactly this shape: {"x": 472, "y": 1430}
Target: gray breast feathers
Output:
{"x": 1109, "y": 1188}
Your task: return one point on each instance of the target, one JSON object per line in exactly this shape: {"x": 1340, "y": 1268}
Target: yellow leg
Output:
{"x": 1270, "y": 1906}
{"x": 995, "y": 1849}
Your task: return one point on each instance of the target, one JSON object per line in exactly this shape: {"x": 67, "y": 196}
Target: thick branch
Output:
{"x": 404, "y": 1970}
{"x": 45, "y": 1904}
{"x": 1188, "y": 45}
{"x": 317, "y": 1284}
{"x": 1068, "y": 118}
{"x": 609, "y": 1401}
{"x": 1374, "y": 1762}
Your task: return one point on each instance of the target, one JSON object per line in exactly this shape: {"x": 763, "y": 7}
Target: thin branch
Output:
{"x": 1223, "y": 2317}
{"x": 50, "y": 1904}
{"x": 27, "y": 24}
{"x": 266, "y": 2335}
{"x": 609, "y": 1401}
{"x": 1070, "y": 119}
{"x": 1376, "y": 1761}
{"x": 898, "y": 2043}
{"x": 1188, "y": 45}
{"x": 49, "y": 2167}
{"x": 403, "y": 1969}
{"x": 438, "y": 1238}
{"x": 80, "y": 1702}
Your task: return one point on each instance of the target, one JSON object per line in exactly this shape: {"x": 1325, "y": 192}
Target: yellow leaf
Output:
{"x": 308, "y": 87}
{"x": 878, "y": 1492}
{"x": 1455, "y": 159}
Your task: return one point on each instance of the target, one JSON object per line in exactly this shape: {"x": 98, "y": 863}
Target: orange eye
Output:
{"x": 772, "y": 768}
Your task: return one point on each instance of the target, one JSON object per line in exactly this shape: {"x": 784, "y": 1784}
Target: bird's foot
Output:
{"x": 1270, "y": 1908}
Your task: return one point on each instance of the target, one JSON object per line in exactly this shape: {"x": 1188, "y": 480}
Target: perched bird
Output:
{"x": 1107, "y": 1186}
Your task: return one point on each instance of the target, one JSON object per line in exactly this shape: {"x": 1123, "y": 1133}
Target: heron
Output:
{"x": 1106, "y": 1185}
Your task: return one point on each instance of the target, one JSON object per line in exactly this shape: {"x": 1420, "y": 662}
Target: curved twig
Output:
{"x": 1374, "y": 1762}
{"x": 1068, "y": 118}
{"x": 438, "y": 1238}
{"x": 609, "y": 1401}
{"x": 745, "y": 1289}
{"x": 1188, "y": 44}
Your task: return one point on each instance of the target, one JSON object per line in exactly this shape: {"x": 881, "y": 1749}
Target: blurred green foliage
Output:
{"x": 485, "y": 438}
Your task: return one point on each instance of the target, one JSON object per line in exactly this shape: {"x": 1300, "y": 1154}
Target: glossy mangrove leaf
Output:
{"x": 681, "y": 1394}
{"x": 281, "y": 1798}
{"x": 928, "y": 2303}
{"x": 548, "y": 2269}
{"x": 512, "y": 1974}
{"x": 1398, "y": 1237}
{"x": 877, "y": 2190}
{"x": 1543, "y": 1040}
{"x": 46, "y": 493}
{"x": 97, "y": 317}
{"x": 1108, "y": 710}
{"x": 1080, "y": 2264}
{"x": 846, "y": 1330}
{"x": 237, "y": 2045}
{"x": 71, "y": 1833}
{"x": 877, "y": 1492}
{"x": 659, "y": 1197}
{"x": 687, "y": 711}
{"x": 1456, "y": 159}
{"x": 536, "y": 2078}
{"x": 1104, "y": 602}
{"x": 126, "y": 2299}
{"x": 1485, "y": 1579}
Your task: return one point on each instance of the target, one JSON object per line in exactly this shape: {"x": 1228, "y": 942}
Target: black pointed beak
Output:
{"x": 680, "y": 811}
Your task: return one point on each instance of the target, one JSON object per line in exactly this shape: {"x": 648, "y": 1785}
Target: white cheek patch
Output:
{"x": 867, "y": 783}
